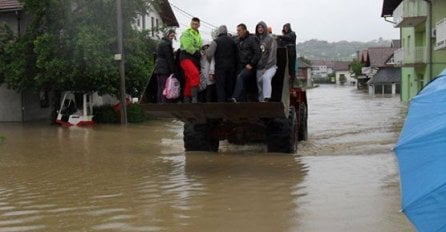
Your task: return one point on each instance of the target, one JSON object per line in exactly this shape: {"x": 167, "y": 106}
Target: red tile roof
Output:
{"x": 6, "y": 5}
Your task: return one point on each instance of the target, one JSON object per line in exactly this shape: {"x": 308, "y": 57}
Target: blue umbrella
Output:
{"x": 421, "y": 152}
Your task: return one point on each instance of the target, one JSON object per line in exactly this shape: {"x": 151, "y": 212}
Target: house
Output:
{"x": 342, "y": 73}
{"x": 386, "y": 81}
{"x": 158, "y": 18}
{"x": 373, "y": 60}
{"x": 327, "y": 71}
{"x": 304, "y": 73}
{"x": 27, "y": 105}
{"x": 320, "y": 69}
{"x": 422, "y": 56}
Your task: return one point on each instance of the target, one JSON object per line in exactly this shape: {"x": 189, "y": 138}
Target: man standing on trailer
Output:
{"x": 249, "y": 53}
{"x": 190, "y": 45}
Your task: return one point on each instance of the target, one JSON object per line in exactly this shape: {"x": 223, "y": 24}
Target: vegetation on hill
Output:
{"x": 343, "y": 50}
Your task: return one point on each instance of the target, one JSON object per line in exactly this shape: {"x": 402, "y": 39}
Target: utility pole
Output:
{"x": 120, "y": 57}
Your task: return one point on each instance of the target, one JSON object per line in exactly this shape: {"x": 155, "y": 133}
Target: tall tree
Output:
{"x": 70, "y": 44}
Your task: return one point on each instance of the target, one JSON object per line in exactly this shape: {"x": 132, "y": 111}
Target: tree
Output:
{"x": 356, "y": 68}
{"x": 6, "y": 39}
{"x": 70, "y": 44}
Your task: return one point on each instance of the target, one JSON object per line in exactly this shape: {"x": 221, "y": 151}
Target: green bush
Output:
{"x": 2, "y": 138}
{"x": 108, "y": 114}
{"x": 135, "y": 113}
{"x": 105, "y": 114}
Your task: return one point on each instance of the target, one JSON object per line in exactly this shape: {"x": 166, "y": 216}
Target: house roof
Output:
{"x": 387, "y": 75}
{"x": 10, "y": 5}
{"x": 302, "y": 63}
{"x": 6, "y": 5}
{"x": 166, "y": 13}
{"x": 341, "y": 66}
{"x": 389, "y": 6}
{"x": 327, "y": 63}
{"x": 377, "y": 56}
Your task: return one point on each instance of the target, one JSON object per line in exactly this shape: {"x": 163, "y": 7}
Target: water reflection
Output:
{"x": 138, "y": 178}
{"x": 249, "y": 191}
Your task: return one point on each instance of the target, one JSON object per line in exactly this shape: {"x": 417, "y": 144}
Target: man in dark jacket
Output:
{"x": 288, "y": 40}
{"x": 249, "y": 53}
{"x": 165, "y": 63}
{"x": 224, "y": 51}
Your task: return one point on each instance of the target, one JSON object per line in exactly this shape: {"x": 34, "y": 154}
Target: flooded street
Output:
{"x": 138, "y": 178}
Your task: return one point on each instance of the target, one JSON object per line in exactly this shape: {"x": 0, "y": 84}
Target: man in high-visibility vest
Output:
{"x": 190, "y": 46}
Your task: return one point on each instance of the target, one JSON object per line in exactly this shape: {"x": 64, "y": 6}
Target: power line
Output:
{"x": 204, "y": 25}
{"x": 190, "y": 15}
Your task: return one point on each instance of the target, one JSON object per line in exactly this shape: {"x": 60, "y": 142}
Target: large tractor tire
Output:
{"x": 198, "y": 137}
{"x": 303, "y": 122}
{"x": 282, "y": 134}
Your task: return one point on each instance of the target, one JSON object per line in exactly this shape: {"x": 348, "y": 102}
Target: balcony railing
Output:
{"x": 410, "y": 56}
{"x": 410, "y": 13}
{"x": 440, "y": 29}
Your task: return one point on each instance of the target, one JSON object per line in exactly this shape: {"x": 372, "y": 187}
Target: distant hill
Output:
{"x": 343, "y": 50}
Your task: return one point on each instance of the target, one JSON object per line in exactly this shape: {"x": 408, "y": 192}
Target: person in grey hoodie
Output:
{"x": 224, "y": 50}
{"x": 266, "y": 67}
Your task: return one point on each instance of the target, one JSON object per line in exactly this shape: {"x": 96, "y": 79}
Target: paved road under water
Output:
{"x": 138, "y": 178}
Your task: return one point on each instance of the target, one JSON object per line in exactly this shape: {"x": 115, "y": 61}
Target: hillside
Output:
{"x": 343, "y": 50}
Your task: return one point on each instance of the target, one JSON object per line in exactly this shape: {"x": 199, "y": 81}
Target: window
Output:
{"x": 153, "y": 26}
{"x": 157, "y": 25}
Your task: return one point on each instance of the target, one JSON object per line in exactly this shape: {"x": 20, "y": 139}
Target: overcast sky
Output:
{"x": 330, "y": 20}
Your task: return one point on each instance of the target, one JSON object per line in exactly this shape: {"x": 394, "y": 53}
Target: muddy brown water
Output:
{"x": 138, "y": 178}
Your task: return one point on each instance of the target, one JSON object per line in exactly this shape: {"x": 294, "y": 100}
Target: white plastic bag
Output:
{"x": 172, "y": 87}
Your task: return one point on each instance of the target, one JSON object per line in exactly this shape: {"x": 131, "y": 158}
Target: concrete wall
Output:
{"x": 10, "y": 105}
{"x": 11, "y": 18}
{"x": 34, "y": 110}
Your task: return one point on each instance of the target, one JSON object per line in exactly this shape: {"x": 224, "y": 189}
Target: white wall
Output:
{"x": 145, "y": 23}
{"x": 349, "y": 78}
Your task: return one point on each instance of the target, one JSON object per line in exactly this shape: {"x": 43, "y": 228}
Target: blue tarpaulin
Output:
{"x": 421, "y": 153}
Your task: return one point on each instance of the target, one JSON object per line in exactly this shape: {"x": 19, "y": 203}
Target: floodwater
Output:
{"x": 138, "y": 178}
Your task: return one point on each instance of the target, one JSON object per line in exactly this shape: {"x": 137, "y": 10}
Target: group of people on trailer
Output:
{"x": 222, "y": 70}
